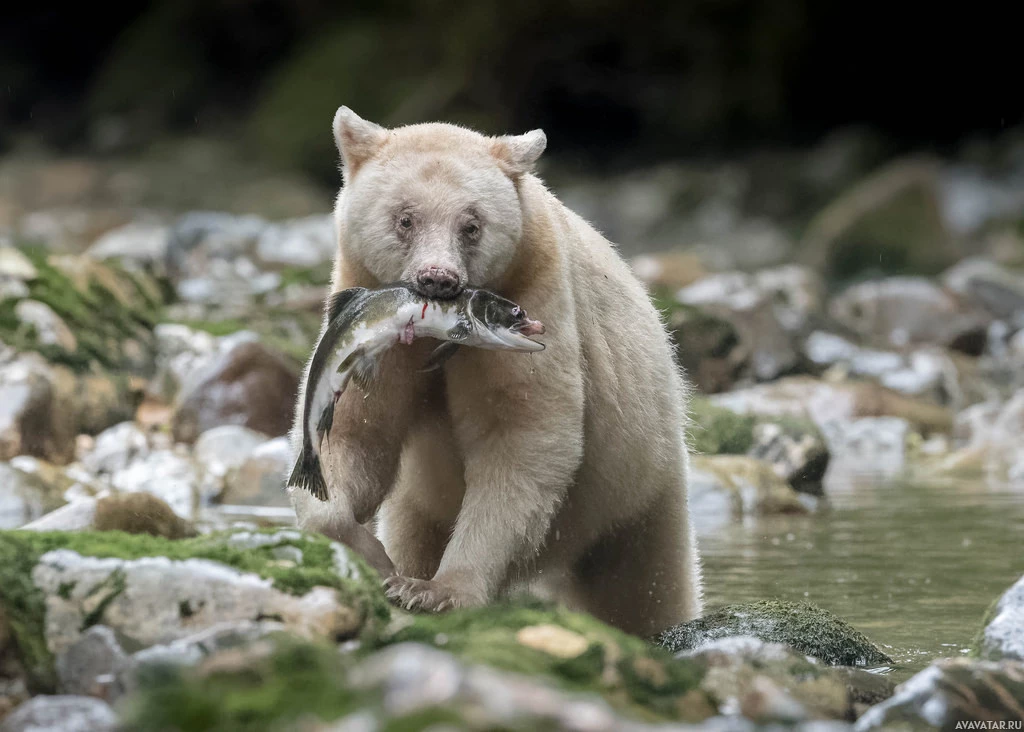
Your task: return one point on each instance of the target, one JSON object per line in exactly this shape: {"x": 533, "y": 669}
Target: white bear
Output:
{"x": 563, "y": 472}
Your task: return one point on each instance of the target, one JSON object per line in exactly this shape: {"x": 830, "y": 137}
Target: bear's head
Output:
{"x": 433, "y": 205}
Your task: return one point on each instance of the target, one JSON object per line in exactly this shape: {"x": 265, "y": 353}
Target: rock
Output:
{"x": 996, "y": 289}
{"x": 794, "y": 446}
{"x": 734, "y": 486}
{"x": 220, "y": 450}
{"x": 826, "y": 402}
{"x": 50, "y": 329}
{"x": 16, "y": 266}
{"x": 766, "y": 309}
{"x": 708, "y": 346}
{"x": 870, "y": 444}
{"x": 305, "y": 242}
{"x": 30, "y": 418}
{"x": 769, "y": 682}
{"x": 115, "y": 449}
{"x": 793, "y": 293}
{"x": 804, "y": 627}
{"x": 668, "y": 270}
{"x": 953, "y": 692}
{"x": 1003, "y": 634}
{"x": 169, "y": 475}
{"x": 150, "y": 591}
{"x": 223, "y": 394}
{"x": 78, "y": 515}
{"x": 798, "y": 455}
{"x": 139, "y": 513}
{"x": 183, "y": 353}
{"x": 69, "y": 228}
{"x": 141, "y": 244}
{"x": 61, "y": 714}
{"x": 927, "y": 372}
{"x": 259, "y": 479}
{"x": 900, "y": 311}
{"x": 91, "y": 664}
{"x": 891, "y": 221}
{"x": 25, "y": 497}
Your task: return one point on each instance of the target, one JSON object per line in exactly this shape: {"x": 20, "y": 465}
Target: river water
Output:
{"x": 915, "y": 566}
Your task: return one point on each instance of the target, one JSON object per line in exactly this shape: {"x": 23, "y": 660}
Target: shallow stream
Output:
{"x": 914, "y": 566}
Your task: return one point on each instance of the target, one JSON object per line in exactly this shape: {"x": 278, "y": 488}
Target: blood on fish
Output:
{"x": 424, "y": 313}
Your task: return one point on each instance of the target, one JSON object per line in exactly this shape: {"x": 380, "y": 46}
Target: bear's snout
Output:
{"x": 438, "y": 282}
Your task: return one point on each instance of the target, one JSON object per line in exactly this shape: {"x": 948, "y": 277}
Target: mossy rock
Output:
{"x": 801, "y": 626}
{"x": 573, "y": 650}
{"x": 719, "y": 431}
{"x": 110, "y": 311}
{"x": 266, "y": 554}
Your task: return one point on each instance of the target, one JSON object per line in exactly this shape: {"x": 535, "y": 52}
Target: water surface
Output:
{"x": 915, "y": 566}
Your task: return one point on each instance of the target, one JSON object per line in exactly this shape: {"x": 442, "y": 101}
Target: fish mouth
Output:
{"x": 531, "y": 327}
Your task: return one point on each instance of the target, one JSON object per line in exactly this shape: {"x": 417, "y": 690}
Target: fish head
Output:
{"x": 501, "y": 324}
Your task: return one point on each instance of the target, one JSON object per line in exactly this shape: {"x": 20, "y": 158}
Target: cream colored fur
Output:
{"x": 564, "y": 471}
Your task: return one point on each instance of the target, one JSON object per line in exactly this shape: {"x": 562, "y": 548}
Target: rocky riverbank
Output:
{"x": 835, "y": 321}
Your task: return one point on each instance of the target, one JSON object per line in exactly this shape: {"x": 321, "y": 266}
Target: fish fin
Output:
{"x": 459, "y": 332}
{"x": 363, "y": 371}
{"x": 339, "y": 300}
{"x": 439, "y": 355}
{"x": 323, "y": 427}
{"x": 307, "y": 473}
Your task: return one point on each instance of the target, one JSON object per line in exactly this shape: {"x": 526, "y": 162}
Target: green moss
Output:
{"x": 630, "y": 673}
{"x": 285, "y": 331}
{"x": 103, "y": 308}
{"x": 110, "y": 588}
{"x": 25, "y": 608}
{"x": 719, "y": 431}
{"x": 298, "y": 680}
{"x": 802, "y": 626}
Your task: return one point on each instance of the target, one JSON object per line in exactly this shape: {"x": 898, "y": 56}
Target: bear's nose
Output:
{"x": 438, "y": 282}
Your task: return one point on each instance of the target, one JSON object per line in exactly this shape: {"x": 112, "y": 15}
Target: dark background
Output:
{"x": 613, "y": 83}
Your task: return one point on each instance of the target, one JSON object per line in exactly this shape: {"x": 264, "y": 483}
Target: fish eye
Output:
{"x": 518, "y": 312}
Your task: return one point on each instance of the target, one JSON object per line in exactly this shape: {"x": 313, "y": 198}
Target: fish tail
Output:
{"x": 307, "y": 473}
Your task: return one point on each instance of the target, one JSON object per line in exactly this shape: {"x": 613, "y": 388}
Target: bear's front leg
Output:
{"x": 522, "y": 446}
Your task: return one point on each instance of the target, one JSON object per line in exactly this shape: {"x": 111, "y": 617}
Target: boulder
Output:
{"x": 901, "y": 311}
{"x": 825, "y": 402}
{"x": 1003, "y": 633}
{"x": 728, "y": 487}
{"x": 139, "y": 244}
{"x": 223, "y": 394}
{"x": 799, "y": 625}
{"x": 708, "y": 346}
{"x": 149, "y": 590}
{"x": 259, "y": 479}
{"x": 25, "y": 497}
{"x": 132, "y": 513}
{"x": 891, "y": 221}
{"x": 1000, "y": 291}
{"x": 951, "y": 693}
{"x": 794, "y": 446}
{"x": 772, "y": 683}
{"x": 61, "y": 714}
{"x": 221, "y": 450}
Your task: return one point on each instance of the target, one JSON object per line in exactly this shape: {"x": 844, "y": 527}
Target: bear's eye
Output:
{"x": 471, "y": 230}
{"x": 405, "y": 221}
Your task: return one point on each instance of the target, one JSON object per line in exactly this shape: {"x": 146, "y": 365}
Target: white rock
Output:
{"x": 305, "y": 242}
{"x": 156, "y": 600}
{"x": 220, "y": 450}
{"x": 115, "y": 449}
{"x": 50, "y": 328}
{"x": 166, "y": 475}
{"x": 15, "y": 265}
{"x": 61, "y": 714}
{"x": 142, "y": 243}
{"x": 1003, "y": 637}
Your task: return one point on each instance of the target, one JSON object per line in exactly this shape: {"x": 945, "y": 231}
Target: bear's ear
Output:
{"x": 517, "y": 154}
{"x": 357, "y": 139}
